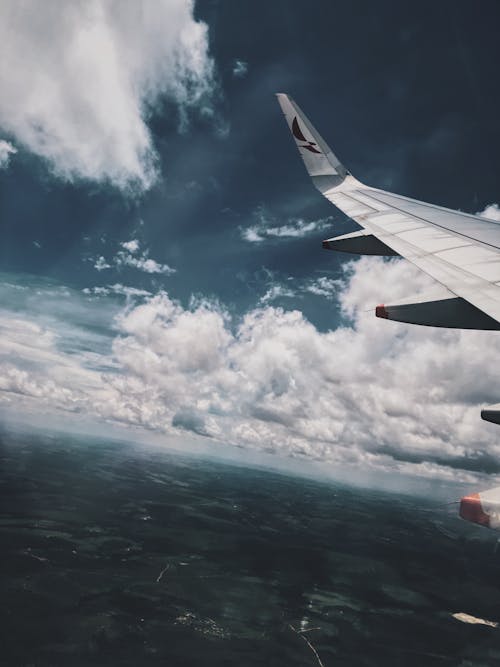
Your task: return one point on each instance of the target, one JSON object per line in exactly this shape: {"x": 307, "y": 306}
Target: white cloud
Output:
{"x": 371, "y": 393}
{"x": 132, "y": 245}
{"x": 491, "y": 211}
{"x": 324, "y": 286}
{"x": 101, "y": 264}
{"x": 128, "y": 257}
{"x": 6, "y": 150}
{"x": 79, "y": 79}
{"x": 143, "y": 263}
{"x": 378, "y": 393}
{"x": 251, "y": 234}
{"x": 266, "y": 227}
{"x": 240, "y": 69}
{"x": 117, "y": 288}
{"x": 276, "y": 291}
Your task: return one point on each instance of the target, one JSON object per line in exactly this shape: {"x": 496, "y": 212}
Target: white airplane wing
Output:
{"x": 460, "y": 251}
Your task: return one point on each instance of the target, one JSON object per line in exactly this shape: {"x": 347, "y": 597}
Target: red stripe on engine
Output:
{"x": 380, "y": 311}
{"x": 472, "y": 510}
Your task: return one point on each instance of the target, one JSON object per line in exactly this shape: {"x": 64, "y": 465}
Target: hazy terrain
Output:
{"x": 113, "y": 555}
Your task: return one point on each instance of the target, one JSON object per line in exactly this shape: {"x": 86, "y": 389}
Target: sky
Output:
{"x": 161, "y": 269}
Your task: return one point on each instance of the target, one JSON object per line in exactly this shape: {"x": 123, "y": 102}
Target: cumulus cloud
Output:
{"x": 6, "y": 150}
{"x": 491, "y": 211}
{"x": 132, "y": 246}
{"x": 267, "y": 228}
{"x": 78, "y": 81}
{"x": 379, "y": 394}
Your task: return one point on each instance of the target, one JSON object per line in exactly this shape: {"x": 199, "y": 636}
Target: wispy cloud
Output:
{"x": 323, "y": 286}
{"x": 130, "y": 256}
{"x": 6, "y": 150}
{"x": 143, "y": 263}
{"x": 240, "y": 69}
{"x": 330, "y": 288}
{"x": 101, "y": 264}
{"x": 117, "y": 288}
{"x": 277, "y": 291}
{"x": 267, "y": 227}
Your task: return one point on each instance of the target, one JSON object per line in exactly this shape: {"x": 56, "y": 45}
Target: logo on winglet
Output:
{"x": 298, "y": 134}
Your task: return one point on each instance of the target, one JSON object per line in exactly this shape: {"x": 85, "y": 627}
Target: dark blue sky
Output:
{"x": 405, "y": 93}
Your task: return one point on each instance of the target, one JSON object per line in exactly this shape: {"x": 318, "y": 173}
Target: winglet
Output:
{"x": 322, "y": 165}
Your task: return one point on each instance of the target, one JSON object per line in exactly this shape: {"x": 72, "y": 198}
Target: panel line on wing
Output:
{"x": 436, "y": 224}
{"x": 458, "y": 280}
{"x": 372, "y": 203}
{"x": 353, "y": 195}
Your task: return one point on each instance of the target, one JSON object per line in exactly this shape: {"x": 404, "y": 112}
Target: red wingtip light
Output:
{"x": 472, "y": 510}
{"x": 380, "y": 311}
{"x": 325, "y": 245}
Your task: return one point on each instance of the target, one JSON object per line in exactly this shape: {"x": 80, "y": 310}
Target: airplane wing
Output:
{"x": 460, "y": 251}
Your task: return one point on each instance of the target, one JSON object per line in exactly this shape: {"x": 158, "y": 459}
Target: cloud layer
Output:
{"x": 373, "y": 393}
{"x": 79, "y": 79}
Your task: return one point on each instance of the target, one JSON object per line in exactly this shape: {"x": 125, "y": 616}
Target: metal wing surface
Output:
{"x": 460, "y": 251}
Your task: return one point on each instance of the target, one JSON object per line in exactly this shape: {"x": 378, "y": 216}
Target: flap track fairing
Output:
{"x": 359, "y": 243}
